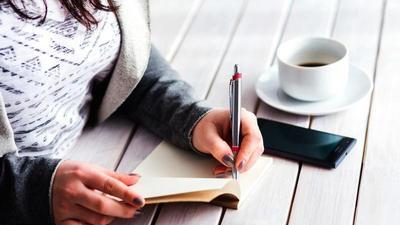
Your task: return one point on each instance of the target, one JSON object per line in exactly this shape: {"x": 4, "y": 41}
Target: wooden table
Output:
{"x": 203, "y": 39}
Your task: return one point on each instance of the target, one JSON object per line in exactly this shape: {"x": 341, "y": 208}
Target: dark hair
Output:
{"x": 79, "y": 9}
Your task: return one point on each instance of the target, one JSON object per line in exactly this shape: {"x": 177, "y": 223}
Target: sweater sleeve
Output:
{"x": 25, "y": 189}
{"x": 165, "y": 104}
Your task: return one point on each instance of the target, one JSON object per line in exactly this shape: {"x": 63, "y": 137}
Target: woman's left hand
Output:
{"x": 212, "y": 135}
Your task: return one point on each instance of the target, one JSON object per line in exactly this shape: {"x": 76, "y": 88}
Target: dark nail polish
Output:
{"x": 241, "y": 165}
{"x": 228, "y": 160}
{"x": 134, "y": 175}
{"x": 138, "y": 202}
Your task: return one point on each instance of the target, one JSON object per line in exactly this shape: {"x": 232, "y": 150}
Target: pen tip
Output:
{"x": 236, "y": 68}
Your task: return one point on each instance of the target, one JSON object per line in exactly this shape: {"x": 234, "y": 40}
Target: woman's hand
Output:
{"x": 212, "y": 134}
{"x": 79, "y": 195}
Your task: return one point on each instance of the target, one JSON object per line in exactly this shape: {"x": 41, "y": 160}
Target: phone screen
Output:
{"x": 303, "y": 144}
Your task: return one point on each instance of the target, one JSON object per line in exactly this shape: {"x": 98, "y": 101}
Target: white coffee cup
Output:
{"x": 313, "y": 82}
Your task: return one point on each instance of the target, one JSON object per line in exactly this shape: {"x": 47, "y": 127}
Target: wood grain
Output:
{"x": 189, "y": 213}
{"x": 379, "y": 197}
{"x": 104, "y": 144}
{"x": 329, "y": 196}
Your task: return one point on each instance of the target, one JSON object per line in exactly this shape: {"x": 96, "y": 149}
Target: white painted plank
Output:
{"x": 102, "y": 145}
{"x": 188, "y": 213}
{"x": 200, "y": 54}
{"x": 191, "y": 60}
{"x": 271, "y": 202}
{"x": 170, "y": 21}
{"x": 379, "y": 197}
{"x": 147, "y": 214}
{"x": 329, "y": 196}
{"x": 252, "y": 48}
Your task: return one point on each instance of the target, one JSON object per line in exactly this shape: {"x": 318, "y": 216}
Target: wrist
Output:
{"x": 191, "y": 131}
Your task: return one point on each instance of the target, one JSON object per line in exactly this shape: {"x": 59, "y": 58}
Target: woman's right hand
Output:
{"x": 79, "y": 195}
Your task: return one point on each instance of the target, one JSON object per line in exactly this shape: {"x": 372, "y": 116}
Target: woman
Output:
{"x": 60, "y": 58}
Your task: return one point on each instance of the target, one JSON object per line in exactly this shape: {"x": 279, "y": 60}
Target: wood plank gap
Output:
{"x": 227, "y": 44}
{"x": 334, "y": 20}
{"x": 156, "y": 214}
{"x": 122, "y": 153}
{"x": 294, "y": 192}
{"x": 275, "y": 48}
{"x": 222, "y": 216}
{"x": 184, "y": 30}
{"x": 384, "y": 5}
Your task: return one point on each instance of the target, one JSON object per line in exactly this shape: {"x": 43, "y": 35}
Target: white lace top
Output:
{"x": 46, "y": 73}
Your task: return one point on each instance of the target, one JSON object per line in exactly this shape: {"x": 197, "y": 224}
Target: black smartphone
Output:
{"x": 304, "y": 145}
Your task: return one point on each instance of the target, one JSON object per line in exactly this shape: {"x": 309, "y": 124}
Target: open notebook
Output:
{"x": 170, "y": 174}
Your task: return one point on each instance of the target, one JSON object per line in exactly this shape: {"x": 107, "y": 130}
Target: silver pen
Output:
{"x": 235, "y": 106}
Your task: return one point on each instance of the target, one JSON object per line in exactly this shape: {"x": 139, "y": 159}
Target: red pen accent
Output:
{"x": 235, "y": 148}
{"x": 236, "y": 76}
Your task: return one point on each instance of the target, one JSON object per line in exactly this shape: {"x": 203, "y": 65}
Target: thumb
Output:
{"x": 222, "y": 152}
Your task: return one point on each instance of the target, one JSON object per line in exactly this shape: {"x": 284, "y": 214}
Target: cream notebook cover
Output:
{"x": 170, "y": 174}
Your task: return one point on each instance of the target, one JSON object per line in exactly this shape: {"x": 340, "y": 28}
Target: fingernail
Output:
{"x": 134, "y": 175}
{"x": 137, "y": 214}
{"x": 241, "y": 164}
{"x": 138, "y": 202}
{"x": 228, "y": 160}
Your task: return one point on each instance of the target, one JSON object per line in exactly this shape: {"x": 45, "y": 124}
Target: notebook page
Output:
{"x": 169, "y": 170}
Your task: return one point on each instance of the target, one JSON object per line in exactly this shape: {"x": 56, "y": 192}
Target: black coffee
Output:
{"x": 312, "y": 64}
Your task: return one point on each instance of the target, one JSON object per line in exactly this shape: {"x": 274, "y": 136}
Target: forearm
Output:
{"x": 25, "y": 189}
{"x": 164, "y": 103}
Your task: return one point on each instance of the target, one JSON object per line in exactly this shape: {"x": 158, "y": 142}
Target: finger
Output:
{"x": 248, "y": 147}
{"x": 73, "y": 222}
{"x": 128, "y": 179}
{"x": 252, "y": 160}
{"x": 85, "y": 215}
{"x": 114, "y": 187}
{"x": 249, "y": 123}
{"x": 104, "y": 205}
{"x": 222, "y": 151}
{"x": 217, "y": 147}
{"x": 251, "y": 139}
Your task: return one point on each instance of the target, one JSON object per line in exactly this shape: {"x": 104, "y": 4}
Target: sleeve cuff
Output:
{"x": 51, "y": 189}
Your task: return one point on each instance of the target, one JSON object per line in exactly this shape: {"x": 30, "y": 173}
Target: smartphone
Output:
{"x": 304, "y": 145}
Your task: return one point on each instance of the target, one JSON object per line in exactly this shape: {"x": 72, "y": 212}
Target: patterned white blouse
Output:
{"x": 47, "y": 71}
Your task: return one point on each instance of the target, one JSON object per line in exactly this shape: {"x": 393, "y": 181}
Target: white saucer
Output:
{"x": 359, "y": 86}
